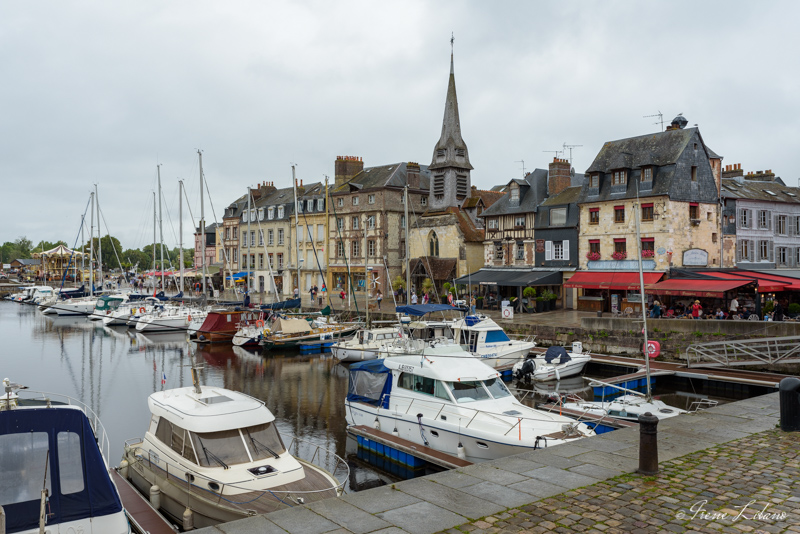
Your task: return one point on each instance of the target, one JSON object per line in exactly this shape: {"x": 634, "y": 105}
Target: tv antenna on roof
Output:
{"x": 570, "y": 147}
{"x": 660, "y": 119}
{"x": 523, "y": 166}
{"x": 556, "y": 152}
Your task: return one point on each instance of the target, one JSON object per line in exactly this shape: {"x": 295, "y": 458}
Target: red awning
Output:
{"x": 611, "y": 280}
{"x": 766, "y": 283}
{"x": 683, "y": 287}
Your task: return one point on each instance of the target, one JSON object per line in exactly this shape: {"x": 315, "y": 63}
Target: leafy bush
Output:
{"x": 794, "y": 307}
{"x": 529, "y": 292}
{"x": 768, "y": 307}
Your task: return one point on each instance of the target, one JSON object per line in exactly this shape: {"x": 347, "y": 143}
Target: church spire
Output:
{"x": 451, "y": 150}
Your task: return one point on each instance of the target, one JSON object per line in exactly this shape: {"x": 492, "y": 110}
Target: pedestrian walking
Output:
{"x": 379, "y": 298}
{"x": 413, "y": 297}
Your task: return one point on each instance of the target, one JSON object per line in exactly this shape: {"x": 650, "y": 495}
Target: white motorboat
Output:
{"x": 627, "y": 407}
{"x": 165, "y": 319}
{"x": 140, "y": 310}
{"x": 54, "y": 470}
{"x": 196, "y": 321}
{"x": 487, "y": 340}
{"x": 76, "y": 306}
{"x": 251, "y": 328}
{"x": 366, "y": 344}
{"x": 452, "y": 402}
{"x": 554, "y": 364}
{"x": 216, "y": 456}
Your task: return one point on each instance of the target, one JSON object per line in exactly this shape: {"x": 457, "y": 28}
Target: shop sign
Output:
{"x": 696, "y": 257}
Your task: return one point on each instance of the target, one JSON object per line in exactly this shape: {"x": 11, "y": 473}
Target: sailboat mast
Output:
{"x": 297, "y": 234}
{"x": 202, "y": 226}
{"x": 154, "y": 239}
{"x": 180, "y": 228}
{"x": 249, "y": 239}
{"x": 327, "y": 235}
{"x": 160, "y": 225}
{"x": 405, "y": 236}
{"x": 99, "y": 239}
{"x": 641, "y": 290}
{"x": 366, "y": 271}
{"x": 91, "y": 248}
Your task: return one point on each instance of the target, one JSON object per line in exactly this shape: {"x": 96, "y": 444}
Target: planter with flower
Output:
{"x": 648, "y": 253}
{"x": 593, "y": 256}
{"x": 619, "y": 255}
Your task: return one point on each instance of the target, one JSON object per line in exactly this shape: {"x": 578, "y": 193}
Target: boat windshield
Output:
{"x": 497, "y": 388}
{"x": 220, "y": 449}
{"x": 263, "y": 441}
{"x": 468, "y": 391}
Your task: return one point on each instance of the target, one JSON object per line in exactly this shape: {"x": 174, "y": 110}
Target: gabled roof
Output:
{"x": 532, "y": 192}
{"x": 393, "y": 175}
{"x": 436, "y": 268}
{"x": 662, "y": 148}
{"x": 452, "y": 216}
{"x": 486, "y": 197}
{"x": 570, "y": 195}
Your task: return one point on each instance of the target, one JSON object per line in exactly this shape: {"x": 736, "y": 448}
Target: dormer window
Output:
{"x": 244, "y": 216}
{"x": 594, "y": 180}
{"x": 514, "y": 193}
{"x": 619, "y": 177}
{"x": 260, "y": 214}
{"x": 253, "y": 214}
{"x": 270, "y": 213}
{"x": 299, "y": 206}
{"x": 280, "y": 212}
{"x": 320, "y": 204}
{"x": 647, "y": 174}
{"x": 309, "y": 205}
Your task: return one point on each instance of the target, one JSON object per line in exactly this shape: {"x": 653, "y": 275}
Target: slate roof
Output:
{"x": 393, "y": 175}
{"x": 662, "y": 148}
{"x": 754, "y": 190}
{"x": 569, "y": 195}
{"x": 27, "y": 261}
{"x": 532, "y": 191}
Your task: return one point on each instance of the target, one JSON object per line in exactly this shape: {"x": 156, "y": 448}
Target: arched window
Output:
{"x": 433, "y": 244}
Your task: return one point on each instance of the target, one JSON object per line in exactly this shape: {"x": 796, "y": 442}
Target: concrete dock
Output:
{"x": 722, "y": 458}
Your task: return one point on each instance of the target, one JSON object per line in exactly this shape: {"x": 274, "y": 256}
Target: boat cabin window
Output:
{"x": 70, "y": 465}
{"x": 468, "y": 391}
{"x": 172, "y": 436}
{"x": 263, "y": 441}
{"x": 497, "y": 388}
{"x": 496, "y": 336}
{"x": 423, "y": 384}
{"x": 20, "y": 455}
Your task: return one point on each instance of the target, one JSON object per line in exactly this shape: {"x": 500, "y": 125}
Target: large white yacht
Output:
{"x": 216, "y": 455}
{"x": 447, "y": 400}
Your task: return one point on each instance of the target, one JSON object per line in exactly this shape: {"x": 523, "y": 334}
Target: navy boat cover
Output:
{"x": 421, "y": 309}
{"x": 554, "y": 353}
{"x": 96, "y": 497}
{"x": 370, "y": 382}
{"x": 285, "y": 305}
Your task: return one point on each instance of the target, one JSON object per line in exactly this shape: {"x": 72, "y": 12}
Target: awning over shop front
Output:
{"x": 766, "y": 283}
{"x": 512, "y": 277}
{"x": 685, "y": 287}
{"x": 237, "y": 276}
{"x": 622, "y": 280}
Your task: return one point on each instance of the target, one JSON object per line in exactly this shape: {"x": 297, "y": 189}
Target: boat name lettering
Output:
{"x": 489, "y": 355}
{"x": 406, "y": 368}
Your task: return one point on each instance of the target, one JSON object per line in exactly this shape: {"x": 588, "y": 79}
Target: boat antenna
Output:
{"x": 641, "y": 290}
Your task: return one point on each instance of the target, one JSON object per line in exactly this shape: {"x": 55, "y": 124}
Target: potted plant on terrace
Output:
{"x": 540, "y": 304}
{"x": 619, "y": 255}
{"x": 529, "y": 293}
{"x": 552, "y": 298}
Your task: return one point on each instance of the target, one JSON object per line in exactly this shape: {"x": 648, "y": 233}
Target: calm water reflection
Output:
{"x": 114, "y": 370}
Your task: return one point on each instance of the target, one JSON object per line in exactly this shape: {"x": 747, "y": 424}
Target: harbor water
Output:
{"x": 114, "y": 370}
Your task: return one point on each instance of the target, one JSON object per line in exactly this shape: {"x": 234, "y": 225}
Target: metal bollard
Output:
{"x": 648, "y": 444}
{"x": 790, "y": 404}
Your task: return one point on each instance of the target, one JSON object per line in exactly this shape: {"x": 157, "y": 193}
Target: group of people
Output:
{"x": 696, "y": 310}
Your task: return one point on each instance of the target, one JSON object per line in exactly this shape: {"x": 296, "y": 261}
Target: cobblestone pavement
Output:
{"x": 747, "y": 485}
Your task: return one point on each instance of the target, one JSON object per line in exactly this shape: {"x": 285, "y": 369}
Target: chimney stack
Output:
{"x": 558, "y": 176}
{"x": 346, "y": 168}
{"x": 412, "y": 173}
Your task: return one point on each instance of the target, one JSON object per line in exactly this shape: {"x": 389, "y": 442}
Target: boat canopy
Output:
{"x": 449, "y": 363}
{"x": 285, "y": 305}
{"x": 370, "y": 382}
{"x": 77, "y": 481}
{"x": 556, "y": 353}
{"x": 419, "y": 310}
{"x": 291, "y": 326}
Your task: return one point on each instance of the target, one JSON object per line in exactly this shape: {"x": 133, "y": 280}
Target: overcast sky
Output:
{"x": 101, "y": 92}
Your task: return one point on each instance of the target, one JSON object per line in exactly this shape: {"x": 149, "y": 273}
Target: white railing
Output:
{"x": 767, "y": 351}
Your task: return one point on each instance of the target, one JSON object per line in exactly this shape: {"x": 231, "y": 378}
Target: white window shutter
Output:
{"x": 751, "y": 250}
{"x": 548, "y": 250}
{"x": 771, "y": 251}
{"x": 565, "y": 244}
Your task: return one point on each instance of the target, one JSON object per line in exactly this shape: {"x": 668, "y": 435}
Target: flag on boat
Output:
{"x": 163, "y": 378}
